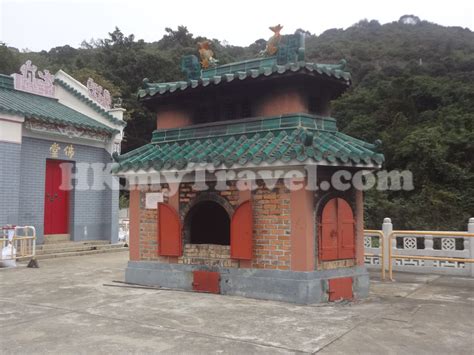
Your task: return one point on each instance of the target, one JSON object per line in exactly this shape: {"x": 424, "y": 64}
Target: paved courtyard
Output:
{"x": 64, "y": 307}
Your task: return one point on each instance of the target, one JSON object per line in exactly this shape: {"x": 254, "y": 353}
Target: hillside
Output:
{"x": 412, "y": 88}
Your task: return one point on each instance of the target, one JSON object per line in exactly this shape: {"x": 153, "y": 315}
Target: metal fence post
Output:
{"x": 470, "y": 229}
{"x": 387, "y": 228}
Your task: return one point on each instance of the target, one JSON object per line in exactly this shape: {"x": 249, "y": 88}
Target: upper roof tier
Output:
{"x": 289, "y": 59}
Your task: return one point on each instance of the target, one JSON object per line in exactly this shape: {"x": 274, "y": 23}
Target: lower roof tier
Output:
{"x": 279, "y": 141}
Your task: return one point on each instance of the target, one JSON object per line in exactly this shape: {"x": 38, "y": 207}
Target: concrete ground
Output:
{"x": 64, "y": 307}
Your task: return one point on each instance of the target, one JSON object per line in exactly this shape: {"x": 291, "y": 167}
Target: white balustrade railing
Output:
{"x": 417, "y": 251}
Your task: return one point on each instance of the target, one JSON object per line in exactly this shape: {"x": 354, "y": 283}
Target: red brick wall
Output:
{"x": 271, "y": 235}
{"x": 207, "y": 254}
{"x": 172, "y": 117}
{"x": 272, "y": 230}
{"x": 148, "y": 228}
{"x": 280, "y": 102}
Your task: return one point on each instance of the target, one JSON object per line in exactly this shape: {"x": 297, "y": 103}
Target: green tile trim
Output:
{"x": 6, "y": 82}
{"x": 239, "y": 71}
{"x": 276, "y": 141}
{"x": 47, "y": 109}
{"x": 90, "y": 103}
{"x": 245, "y": 126}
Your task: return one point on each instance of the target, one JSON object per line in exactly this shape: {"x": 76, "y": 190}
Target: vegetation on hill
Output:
{"x": 412, "y": 88}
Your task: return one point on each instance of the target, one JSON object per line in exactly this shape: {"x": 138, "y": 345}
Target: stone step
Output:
{"x": 113, "y": 249}
{"x": 78, "y": 248}
{"x": 56, "y": 238}
{"x": 71, "y": 244}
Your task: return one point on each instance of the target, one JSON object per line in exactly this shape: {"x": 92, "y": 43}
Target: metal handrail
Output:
{"x": 23, "y": 246}
{"x": 373, "y": 232}
{"x": 418, "y": 234}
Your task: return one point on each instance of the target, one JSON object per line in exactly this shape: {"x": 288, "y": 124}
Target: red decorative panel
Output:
{"x": 340, "y": 289}
{"x": 169, "y": 231}
{"x": 56, "y": 200}
{"x": 241, "y": 232}
{"x": 328, "y": 231}
{"x": 337, "y": 231}
{"x": 206, "y": 281}
{"x": 346, "y": 230}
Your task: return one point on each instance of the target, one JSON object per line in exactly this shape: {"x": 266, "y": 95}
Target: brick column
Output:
{"x": 134, "y": 227}
{"x": 359, "y": 222}
{"x": 173, "y": 201}
{"x": 245, "y": 195}
{"x": 302, "y": 228}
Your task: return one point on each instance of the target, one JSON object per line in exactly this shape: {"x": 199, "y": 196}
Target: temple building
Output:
{"x": 57, "y": 137}
{"x": 233, "y": 194}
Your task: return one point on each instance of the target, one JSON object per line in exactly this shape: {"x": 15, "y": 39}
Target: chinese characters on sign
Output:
{"x": 99, "y": 94}
{"x": 29, "y": 82}
{"x": 56, "y": 148}
{"x": 69, "y": 151}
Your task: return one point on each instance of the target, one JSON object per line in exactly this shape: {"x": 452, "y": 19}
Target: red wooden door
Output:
{"x": 206, "y": 281}
{"x": 241, "y": 232}
{"x": 328, "y": 240}
{"x": 340, "y": 289}
{"x": 56, "y": 200}
{"x": 346, "y": 230}
{"x": 169, "y": 231}
{"x": 337, "y": 236}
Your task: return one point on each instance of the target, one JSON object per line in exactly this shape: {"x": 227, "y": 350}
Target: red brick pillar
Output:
{"x": 359, "y": 217}
{"x": 245, "y": 195}
{"x": 134, "y": 225}
{"x": 173, "y": 201}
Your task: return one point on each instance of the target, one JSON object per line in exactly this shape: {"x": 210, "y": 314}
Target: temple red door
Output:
{"x": 56, "y": 200}
{"x": 337, "y": 231}
{"x": 169, "y": 231}
{"x": 241, "y": 232}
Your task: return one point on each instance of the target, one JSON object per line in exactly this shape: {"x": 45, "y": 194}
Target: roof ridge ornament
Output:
{"x": 274, "y": 41}
{"x": 207, "y": 55}
{"x": 99, "y": 94}
{"x": 27, "y": 81}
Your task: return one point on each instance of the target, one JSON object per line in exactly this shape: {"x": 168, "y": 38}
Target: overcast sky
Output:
{"x": 38, "y": 25}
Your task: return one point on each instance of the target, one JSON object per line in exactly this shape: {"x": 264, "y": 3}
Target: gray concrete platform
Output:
{"x": 63, "y": 307}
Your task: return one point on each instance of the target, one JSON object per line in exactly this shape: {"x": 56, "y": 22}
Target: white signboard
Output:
{"x": 152, "y": 199}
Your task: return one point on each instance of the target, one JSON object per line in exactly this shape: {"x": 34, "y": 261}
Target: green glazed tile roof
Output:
{"x": 250, "y": 69}
{"x": 44, "y": 109}
{"x": 303, "y": 138}
{"x": 90, "y": 103}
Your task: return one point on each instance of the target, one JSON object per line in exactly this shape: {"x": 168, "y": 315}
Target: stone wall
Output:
{"x": 93, "y": 214}
{"x": 10, "y": 159}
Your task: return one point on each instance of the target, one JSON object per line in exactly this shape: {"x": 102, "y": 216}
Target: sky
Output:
{"x": 38, "y": 25}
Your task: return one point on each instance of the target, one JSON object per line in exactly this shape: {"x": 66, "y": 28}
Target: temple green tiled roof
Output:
{"x": 90, "y": 103}
{"x": 44, "y": 109}
{"x": 294, "y": 138}
{"x": 246, "y": 70}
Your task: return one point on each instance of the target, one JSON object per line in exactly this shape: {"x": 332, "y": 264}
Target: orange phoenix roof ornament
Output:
{"x": 274, "y": 41}
{"x": 206, "y": 54}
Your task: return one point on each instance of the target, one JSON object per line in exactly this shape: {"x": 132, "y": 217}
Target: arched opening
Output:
{"x": 209, "y": 224}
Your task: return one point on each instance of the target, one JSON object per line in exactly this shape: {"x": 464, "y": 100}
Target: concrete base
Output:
{"x": 288, "y": 286}
{"x": 56, "y": 238}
